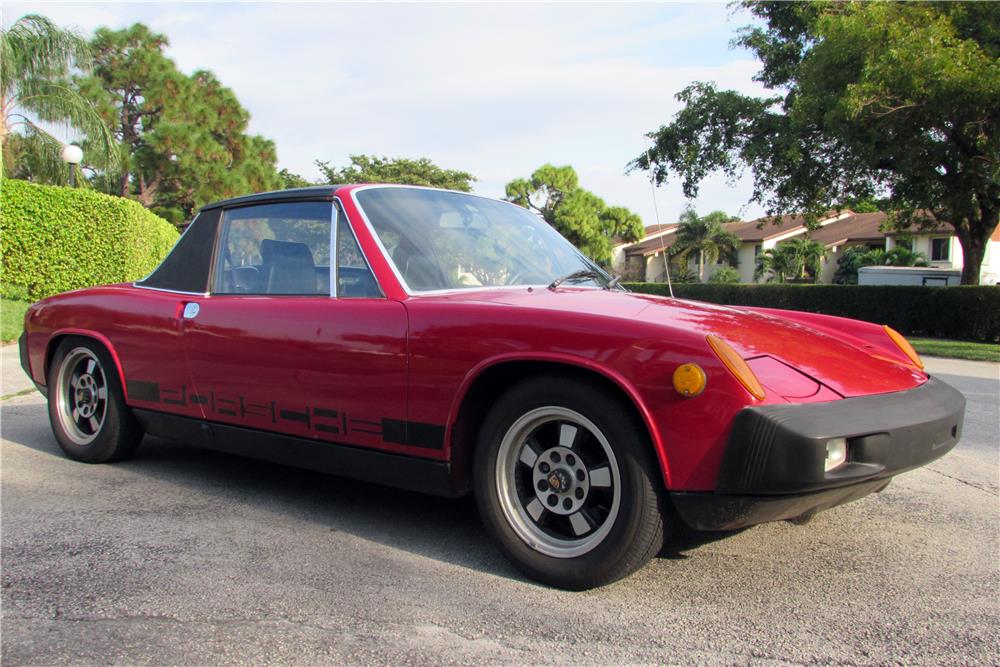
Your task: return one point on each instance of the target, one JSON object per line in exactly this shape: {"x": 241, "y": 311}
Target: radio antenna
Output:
{"x": 659, "y": 228}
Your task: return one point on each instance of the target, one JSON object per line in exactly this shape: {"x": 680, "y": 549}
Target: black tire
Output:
{"x": 117, "y": 433}
{"x": 635, "y": 533}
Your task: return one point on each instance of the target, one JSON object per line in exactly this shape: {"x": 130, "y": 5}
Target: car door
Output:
{"x": 293, "y": 340}
{"x": 147, "y": 327}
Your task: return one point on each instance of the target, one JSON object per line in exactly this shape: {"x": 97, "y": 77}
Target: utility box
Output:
{"x": 908, "y": 275}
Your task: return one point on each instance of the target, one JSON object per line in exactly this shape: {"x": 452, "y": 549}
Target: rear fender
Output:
{"x": 59, "y": 334}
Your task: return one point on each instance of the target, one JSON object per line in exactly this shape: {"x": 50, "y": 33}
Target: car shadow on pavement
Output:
{"x": 447, "y": 530}
{"x": 438, "y": 528}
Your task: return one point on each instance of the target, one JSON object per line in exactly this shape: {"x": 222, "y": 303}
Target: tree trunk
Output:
{"x": 973, "y": 239}
{"x": 701, "y": 266}
{"x": 123, "y": 183}
{"x": 147, "y": 190}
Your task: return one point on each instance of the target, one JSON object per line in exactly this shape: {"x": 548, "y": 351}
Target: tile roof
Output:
{"x": 766, "y": 227}
{"x": 667, "y": 226}
{"x": 652, "y": 245}
{"x": 857, "y": 227}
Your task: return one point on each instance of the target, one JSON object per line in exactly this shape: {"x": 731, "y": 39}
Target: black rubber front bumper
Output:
{"x": 773, "y": 465}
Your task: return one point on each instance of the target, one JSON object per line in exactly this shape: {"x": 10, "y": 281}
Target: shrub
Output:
{"x": 56, "y": 239}
{"x": 960, "y": 313}
{"x": 725, "y": 275}
{"x": 682, "y": 275}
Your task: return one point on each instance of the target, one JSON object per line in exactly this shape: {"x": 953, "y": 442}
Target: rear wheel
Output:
{"x": 565, "y": 483}
{"x": 87, "y": 409}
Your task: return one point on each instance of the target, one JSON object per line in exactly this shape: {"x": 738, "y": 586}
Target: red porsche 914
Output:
{"x": 452, "y": 344}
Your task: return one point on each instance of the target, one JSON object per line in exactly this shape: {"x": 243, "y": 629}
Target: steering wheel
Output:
{"x": 516, "y": 278}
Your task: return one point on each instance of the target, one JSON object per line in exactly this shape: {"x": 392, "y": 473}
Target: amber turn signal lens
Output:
{"x": 734, "y": 362}
{"x": 904, "y": 345}
{"x": 689, "y": 380}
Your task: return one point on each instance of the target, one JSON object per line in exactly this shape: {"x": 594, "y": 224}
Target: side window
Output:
{"x": 354, "y": 277}
{"x": 275, "y": 249}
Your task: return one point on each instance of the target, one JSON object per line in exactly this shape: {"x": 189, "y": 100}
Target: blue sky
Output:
{"x": 494, "y": 89}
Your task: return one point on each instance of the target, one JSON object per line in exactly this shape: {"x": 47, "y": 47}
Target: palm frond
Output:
{"x": 35, "y": 155}
{"x": 58, "y": 103}
{"x": 35, "y": 47}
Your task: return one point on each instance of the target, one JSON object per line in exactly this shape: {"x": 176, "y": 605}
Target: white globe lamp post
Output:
{"x": 72, "y": 155}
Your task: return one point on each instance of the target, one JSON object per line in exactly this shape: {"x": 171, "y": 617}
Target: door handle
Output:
{"x": 191, "y": 310}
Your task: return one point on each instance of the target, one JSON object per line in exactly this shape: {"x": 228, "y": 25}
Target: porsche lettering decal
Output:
{"x": 319, "y": 419}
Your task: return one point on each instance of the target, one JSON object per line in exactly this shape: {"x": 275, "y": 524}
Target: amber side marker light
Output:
{"x": 689, "y": 380}
{"x": 734, "y": 362}
{"x": 903, "y": 345}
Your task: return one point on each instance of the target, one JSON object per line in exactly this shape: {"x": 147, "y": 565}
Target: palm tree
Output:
{"x": 777, "y": 264}
{"x": 706, "y": 236}
{"x": 903, "y": 256}
{"x": 811, "y": 254}
{"x": 37, "y": 58}
{"x": 795, "y": 258}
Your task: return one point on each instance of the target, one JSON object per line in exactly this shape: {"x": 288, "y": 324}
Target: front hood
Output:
{"x": 837, "y": 361}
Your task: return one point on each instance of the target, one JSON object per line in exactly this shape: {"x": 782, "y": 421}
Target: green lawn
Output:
{"x": 956, "y": 349}
{"x": 11, "y": 319}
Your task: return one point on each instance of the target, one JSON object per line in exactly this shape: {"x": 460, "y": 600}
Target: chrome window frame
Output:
{"x": 220, "y": 237}
{"x": 135, "y": 283}
{"x": 334, "y": 259}
{"x": 335, "y": 275}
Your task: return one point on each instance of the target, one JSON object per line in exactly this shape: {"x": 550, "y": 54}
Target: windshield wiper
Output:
{"x": 576, "y": 275}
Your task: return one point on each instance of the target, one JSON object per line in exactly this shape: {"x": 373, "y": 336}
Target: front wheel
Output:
{"x": 566, "y": 484}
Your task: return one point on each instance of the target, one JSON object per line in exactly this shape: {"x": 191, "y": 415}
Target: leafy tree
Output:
{"x": 795, "y": 259}
{"x": 374, "y": 169}
{"x": 871, "y": 99}
{"x": 705, "y": 236}
{"x": 725, "y": 275}
{"x": 36, "y": 58}
{"x": 582, "y": 217}
{"x": 848, "y": 264}
{"x": 290, "y": 180}
{"x": 183, "y": 138}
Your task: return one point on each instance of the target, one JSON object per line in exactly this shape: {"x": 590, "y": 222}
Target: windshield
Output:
{"x": 446, "y": 240}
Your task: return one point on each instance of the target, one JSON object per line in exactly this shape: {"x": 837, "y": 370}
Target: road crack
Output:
{"x": 959, "y": 479}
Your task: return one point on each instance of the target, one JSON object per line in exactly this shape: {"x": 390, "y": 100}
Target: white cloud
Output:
{"x": 495, "y": 89}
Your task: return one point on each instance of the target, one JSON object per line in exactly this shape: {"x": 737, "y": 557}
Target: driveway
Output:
{"x": 185, "y": 556}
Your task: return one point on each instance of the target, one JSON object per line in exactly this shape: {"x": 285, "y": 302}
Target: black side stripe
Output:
{"x": 414, "y": 434}
{"x": 143, "y": 391}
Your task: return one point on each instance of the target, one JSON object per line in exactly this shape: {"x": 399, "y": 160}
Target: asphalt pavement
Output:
{"x": 184, "y": 556}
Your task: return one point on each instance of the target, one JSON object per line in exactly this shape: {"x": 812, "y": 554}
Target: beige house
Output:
{"x": 763, "y": 234}
{"x": 644, "y": 260}
{"x": 838, "y": 231}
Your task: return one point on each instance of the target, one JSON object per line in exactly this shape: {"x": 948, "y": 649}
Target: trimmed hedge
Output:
{"x": 56, "y": 239}
{"x": 960, "y": 313}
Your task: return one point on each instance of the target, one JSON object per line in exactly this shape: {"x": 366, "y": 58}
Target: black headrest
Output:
{"x": 286, "y": 252}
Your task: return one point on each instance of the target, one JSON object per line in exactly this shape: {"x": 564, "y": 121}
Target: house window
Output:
{"x": 941, "y": 249}
{"x": 756, "y": 250}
